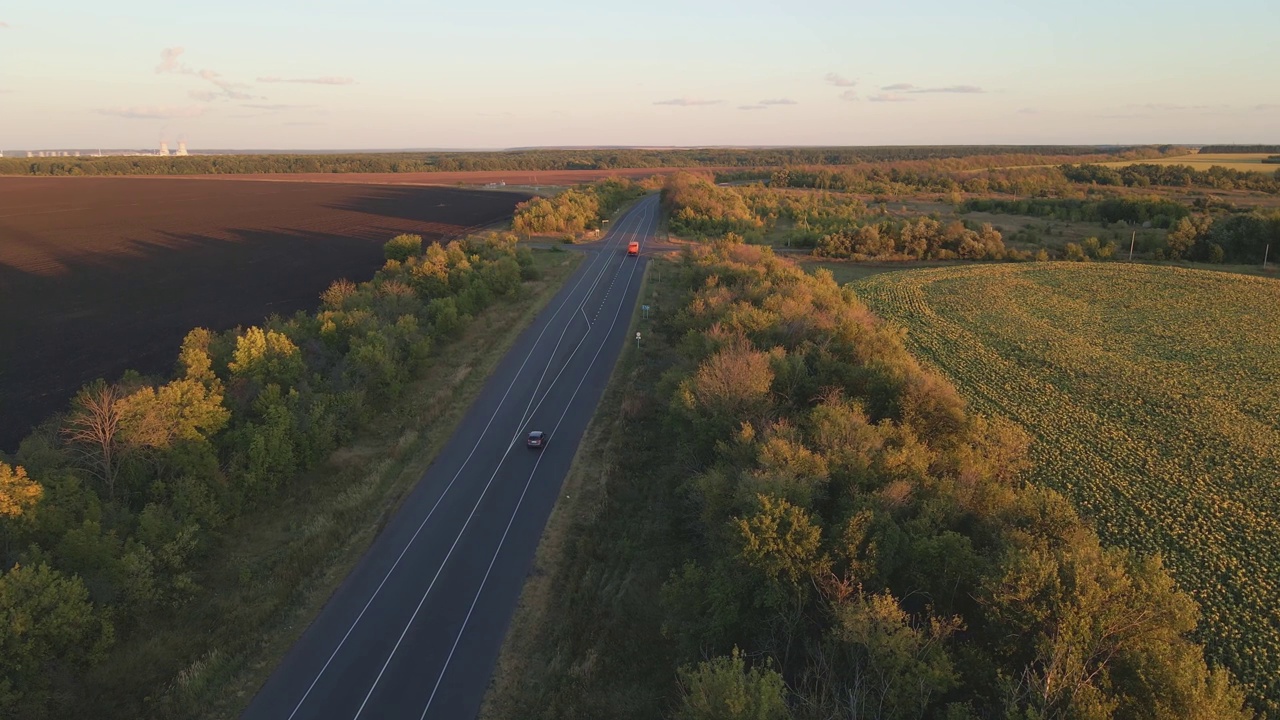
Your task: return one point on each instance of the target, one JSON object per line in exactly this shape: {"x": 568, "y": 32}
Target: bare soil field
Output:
{"x": 521, "y": 178}
{"x": 100, "y": 275}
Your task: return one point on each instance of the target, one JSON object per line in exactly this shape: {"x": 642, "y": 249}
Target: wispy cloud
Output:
{"x": 1266, "y": 106}
{"x": 4, "y": 25}
{"x": 898, "y": 87}
{"x": 687, "y": 102}
{"x": 890, "y": 98}
{"x": 302, "y": 123}
{"x": 753, "y": 107}
{"x": 228, "y": 88}
{"x": 849, "y": 95}
{"x": 839, "y": 80}
{"x": 170, "y": 63}
{"x": 779, "y": 101}
{"x": 1175, "y": 107}
{"x": 155, "y": 112}
{"x": 203, "y": 95}
{"x": 274, "y": 107}
{"x": 326, "y": 80}
{"x": 962, "y": 89}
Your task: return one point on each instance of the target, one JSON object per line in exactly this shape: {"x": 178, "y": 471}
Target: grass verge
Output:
{"x": 586, "y": 640}
{"x": 276, "y": 567}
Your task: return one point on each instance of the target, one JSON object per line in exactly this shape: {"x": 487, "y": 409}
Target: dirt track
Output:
{"x": 99, "y": 275}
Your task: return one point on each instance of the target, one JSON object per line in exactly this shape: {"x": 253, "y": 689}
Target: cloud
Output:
{"x": 302, "y": 123}
{"x": 963, "y": 89}
{"x": 274, "y": 107}
{"x": 849, "y": 96}
{"x": 1171, "y": 107}
{"x": 4, "y": 25}
{"x": 839, "y": 80}
{"x": 203, "y": 95}
{"x": 753, "y": 107}
{"x": 326, "y": 80}
{"x": 1028, "y": 111}
{"x": 779, "y": 101}
{"x": 890, "y": 98}
{"x": 169, "y": 61}
{"x": 155, "y": 112}
{"x": 1266, "y": 106}
{"x": 687, "y": 102}
{"x": 899, "y": 87}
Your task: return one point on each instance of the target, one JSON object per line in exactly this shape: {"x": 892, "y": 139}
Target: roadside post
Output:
{"x": 637, "y": 341}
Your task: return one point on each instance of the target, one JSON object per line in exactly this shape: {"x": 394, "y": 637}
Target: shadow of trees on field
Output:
{"x": 465, "y": 208}
{"x": 129, "y": 308}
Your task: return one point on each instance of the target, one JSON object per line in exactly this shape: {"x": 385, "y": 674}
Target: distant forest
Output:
{"x": 1242, "y": 149}
{"x": 579, "y": 159}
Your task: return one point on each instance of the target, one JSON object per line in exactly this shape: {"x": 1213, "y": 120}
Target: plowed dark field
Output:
{"x": 100, "y": 275}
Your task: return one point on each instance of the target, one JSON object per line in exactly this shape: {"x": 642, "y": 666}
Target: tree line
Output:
{"x": 1143, "y": 175}
{"x": 1158, "y": 212}
{"x": 1239, "y": 149}
{"x": 922, "y": 238}
{"x": 576, "y": 209}
{"x": 108, "y": 509}
{"x": 833, "y": 224}
{"x": 853, "y": 542}
{"x": 550, "y": 159}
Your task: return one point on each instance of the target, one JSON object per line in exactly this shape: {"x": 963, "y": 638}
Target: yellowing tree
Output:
{"x": 180, "y": 410}
{"x": 266, "y": 356}
{"x": 781, "y": 540}
{"x": 18, "y": 493}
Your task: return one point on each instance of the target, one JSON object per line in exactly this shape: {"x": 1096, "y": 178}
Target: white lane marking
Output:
{"x": 445, "y": 492}
{"x": 529, "y": 415}
{"x": 516, "y": 511}
{"x": 461, "y": 531}
{"x": 565, "y": 366}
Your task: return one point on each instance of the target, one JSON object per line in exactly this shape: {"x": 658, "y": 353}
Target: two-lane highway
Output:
{"x": 414, "y": 631}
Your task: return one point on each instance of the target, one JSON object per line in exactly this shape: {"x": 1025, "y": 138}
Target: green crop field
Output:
{"x": 1152, "y": 397}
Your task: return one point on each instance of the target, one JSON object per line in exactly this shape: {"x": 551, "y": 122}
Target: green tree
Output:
{"x": 724, "y": 688}
{"x": 402, "y": 247}
{"x": 49, "y": 632}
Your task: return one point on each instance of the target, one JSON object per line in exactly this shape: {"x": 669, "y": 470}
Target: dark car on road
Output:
{"x": 536, "y": 439}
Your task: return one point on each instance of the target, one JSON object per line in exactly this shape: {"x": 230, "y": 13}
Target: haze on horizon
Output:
{"x": 330, "y": 74}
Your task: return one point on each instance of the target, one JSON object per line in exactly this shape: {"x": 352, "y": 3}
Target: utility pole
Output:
{"x": 1132, "y": 240}
{"x": 1265, "y": 254}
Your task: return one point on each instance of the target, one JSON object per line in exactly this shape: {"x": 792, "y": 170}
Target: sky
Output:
{"x": 376, "y": 74}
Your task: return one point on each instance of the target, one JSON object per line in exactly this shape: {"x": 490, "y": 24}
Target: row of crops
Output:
{"x": 1153, "y": 398}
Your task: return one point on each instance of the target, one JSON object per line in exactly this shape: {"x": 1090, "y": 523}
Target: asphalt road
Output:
{"x": 414, "y": 631}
